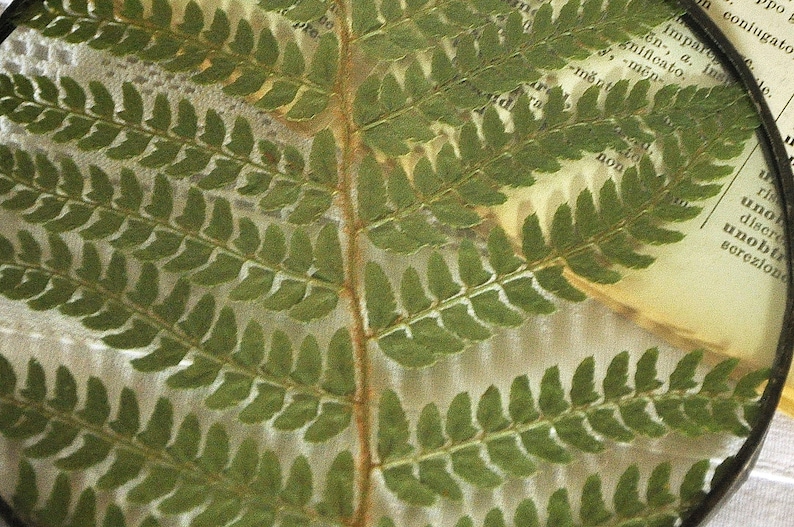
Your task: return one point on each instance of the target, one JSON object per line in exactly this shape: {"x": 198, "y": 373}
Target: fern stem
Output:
{"x": 516, "y": 429}
{"x": 185, "y": 233}
{"x": 353, "y": 271}
{"x": 190, "y": 470}
{"x": 183, "y": 338}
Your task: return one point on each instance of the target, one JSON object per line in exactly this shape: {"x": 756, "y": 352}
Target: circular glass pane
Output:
{"x": 383, "y": 263}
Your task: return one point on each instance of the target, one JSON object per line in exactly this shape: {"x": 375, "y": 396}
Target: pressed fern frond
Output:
{"x": 214, "y": 52}
{"x": 553, "y": 426}
{"x": 397, "y": 216}
{"x": 661, "y": 508}
{"x": 179, "y": 145}
{"x": 174, "y": 466}
{"x": 210, "y": 247}
{"x": 132, "y": 317}
{"x": 303, "y": 253}
{"x": 460, "y": 82}
{"x": 587, "y": 240}
{"x": 191, "y": 469}
{"x": 56, "y": 508}
{"x": 496, "y": 58}
{"x": 391, "y": 31}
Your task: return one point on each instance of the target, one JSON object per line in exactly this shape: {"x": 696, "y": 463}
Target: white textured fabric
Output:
{"x": 767, "y": 497}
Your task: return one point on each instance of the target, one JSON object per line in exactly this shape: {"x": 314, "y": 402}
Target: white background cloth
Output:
{"x": 767, "y": 497}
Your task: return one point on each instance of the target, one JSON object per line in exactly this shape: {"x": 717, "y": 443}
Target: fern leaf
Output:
{"x": 594, "y": 239}
{"x": 187, "y": 468}
{"x": 626, "y": 509}
{"x": 170, "y": 140}
{"x": 399, "y": 31}
{"x": 211, "y": 247}
{"x": 439, "y": 319}
{"x": 216, "y": 51}
{"x": 203, "y": 333}
{"x": 550, "y": 428}
{"x": 451, "y": 193}
{"x": 495, "y": 60}
{"x": 406, "y": 30}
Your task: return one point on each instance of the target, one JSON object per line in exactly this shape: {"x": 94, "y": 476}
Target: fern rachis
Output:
{"x": 271, "y": 279}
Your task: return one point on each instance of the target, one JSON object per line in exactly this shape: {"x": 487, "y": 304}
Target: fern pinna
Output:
{"x": 293, "y": 281}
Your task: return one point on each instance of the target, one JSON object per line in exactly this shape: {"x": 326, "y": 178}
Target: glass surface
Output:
{"x": 449, "y": 263}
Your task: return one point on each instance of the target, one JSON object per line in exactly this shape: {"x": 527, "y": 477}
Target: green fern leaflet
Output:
{"x": 300, "y": 241}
